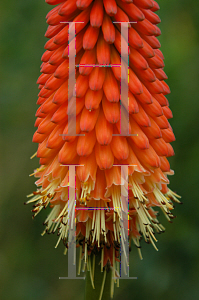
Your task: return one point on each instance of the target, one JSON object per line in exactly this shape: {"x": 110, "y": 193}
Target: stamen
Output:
{"x": 33, "y": 155}
{"x": 80, "y": 260}
{"x": 62, "y": 212}
{"x": 91, "y": 274}
{"x": 102, "y": 288}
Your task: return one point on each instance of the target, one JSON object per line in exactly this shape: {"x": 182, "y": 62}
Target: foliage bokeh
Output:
{"x": 30, "y": 266}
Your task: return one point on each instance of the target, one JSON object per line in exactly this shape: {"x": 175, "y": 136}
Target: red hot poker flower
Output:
{"x": 98, "y": 181}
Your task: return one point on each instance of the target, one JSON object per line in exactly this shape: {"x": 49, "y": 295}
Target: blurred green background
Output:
{"x": 29, "y": 264}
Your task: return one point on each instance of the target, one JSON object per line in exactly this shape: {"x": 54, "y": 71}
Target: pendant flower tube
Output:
{"x": 98, "y": 149}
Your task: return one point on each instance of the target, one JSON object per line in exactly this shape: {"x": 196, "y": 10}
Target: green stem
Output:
{"x": 100, "y": 278}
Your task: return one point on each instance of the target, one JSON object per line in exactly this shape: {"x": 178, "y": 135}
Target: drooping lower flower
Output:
{"x": 99, "y": 152}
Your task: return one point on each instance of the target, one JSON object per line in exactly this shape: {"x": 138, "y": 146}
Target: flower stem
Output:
{"x": 101, "y": 280}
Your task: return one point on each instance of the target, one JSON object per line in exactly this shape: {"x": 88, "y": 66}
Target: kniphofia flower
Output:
{"x": 98, "y": 180}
